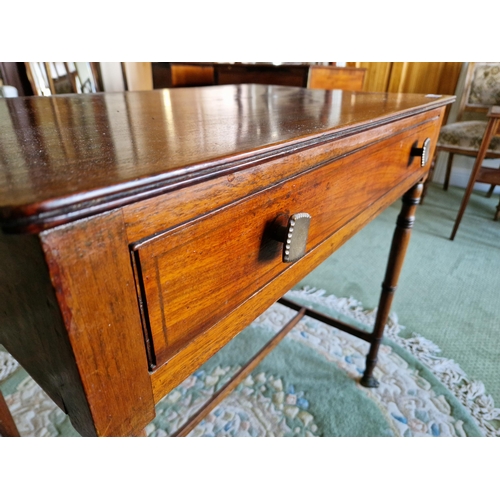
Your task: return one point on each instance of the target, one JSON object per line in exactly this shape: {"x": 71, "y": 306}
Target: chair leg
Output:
{"x": 7, "y": 425}
{"x": 488, "y": 134}
{"x": 448, "y": 171}
{"x": 465, "y": 200}
{"x": 497, "y": 213}
{"x": 490, "y": 191}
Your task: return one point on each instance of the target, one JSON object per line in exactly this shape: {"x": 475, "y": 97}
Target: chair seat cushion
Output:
{"x": 466, "y": 136}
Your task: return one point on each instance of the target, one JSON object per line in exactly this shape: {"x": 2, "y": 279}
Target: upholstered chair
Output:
{"x": 480, "y": 173}
{"x": 464, "y": 137}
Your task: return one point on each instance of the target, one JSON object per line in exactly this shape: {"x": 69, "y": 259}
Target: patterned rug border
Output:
{"x": 471, "y": 393}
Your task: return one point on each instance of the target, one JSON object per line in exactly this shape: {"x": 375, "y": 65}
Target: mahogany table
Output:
{"x": 142, "y": 231}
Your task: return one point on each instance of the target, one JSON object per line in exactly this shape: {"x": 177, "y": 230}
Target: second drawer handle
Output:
{"x": 293, "y": 235}
{"x": 423, "y": 152}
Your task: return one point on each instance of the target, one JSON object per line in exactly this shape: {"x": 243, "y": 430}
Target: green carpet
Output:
{"x": 449, "y": 291}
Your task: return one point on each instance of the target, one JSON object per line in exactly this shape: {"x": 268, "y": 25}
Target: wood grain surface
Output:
{"x": 205, "y": 345}
{"x": 176, "y": 207}
{"x": 91, "y": 273}
{"x": 331, "y": 77}
{"x": 63, "y": 158}
{"x": 195, "y": 275}
{"x": 32, "y": 327}
{"x": 153, "y": 214}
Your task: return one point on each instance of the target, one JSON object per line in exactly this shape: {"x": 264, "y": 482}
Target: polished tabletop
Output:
{"x": 70, "y": 152}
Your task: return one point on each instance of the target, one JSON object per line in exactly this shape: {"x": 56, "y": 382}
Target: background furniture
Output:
{"x": 411, "y": 77}
{"x": 464, "y": 137}
{"x": 124, "y": 273}
{"x": 480, "y": 173}
{"x": 332, "y": 77}
{"x": 169, "y": 75}
{"x": 282, "y": 74}
{"x": 14, "y": 74}
{"x": 51, "y": 78}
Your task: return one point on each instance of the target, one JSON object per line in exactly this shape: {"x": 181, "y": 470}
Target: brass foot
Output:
{"x": 370, "y": 382}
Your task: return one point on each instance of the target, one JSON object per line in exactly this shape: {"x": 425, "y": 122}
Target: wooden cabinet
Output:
{"x": 169, "y": 75}
{"x": 295, "y": 75}
{"x": 331, "y": 77}
{"x": 139, "y": 241}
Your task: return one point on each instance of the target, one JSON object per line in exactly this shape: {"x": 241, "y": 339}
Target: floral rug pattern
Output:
{"x": 259, "y": 406}
{"x": 470, "y": 393}
{"x": 265, "y": 404}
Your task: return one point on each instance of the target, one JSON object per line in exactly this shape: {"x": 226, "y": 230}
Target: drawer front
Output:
{"x": 194, "y": 275}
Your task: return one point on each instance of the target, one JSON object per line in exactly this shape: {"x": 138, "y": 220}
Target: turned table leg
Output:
{"x": 7, "y": 425}
{"x": 399, "y": 245}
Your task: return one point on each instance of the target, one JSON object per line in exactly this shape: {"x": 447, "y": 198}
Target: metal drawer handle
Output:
{"x": 293, "y": 235}
{"x": 423, "y": 152}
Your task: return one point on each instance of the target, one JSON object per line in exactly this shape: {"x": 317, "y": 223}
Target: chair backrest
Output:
{"x": 481, "y": 91}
